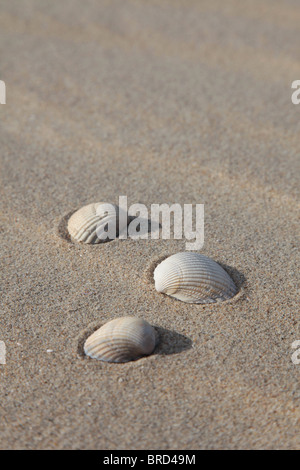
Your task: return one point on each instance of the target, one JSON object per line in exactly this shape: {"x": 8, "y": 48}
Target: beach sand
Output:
{"x": 165, "y": 102}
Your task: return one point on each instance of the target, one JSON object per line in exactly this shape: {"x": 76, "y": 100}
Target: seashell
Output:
{"x": 97, "y": 223}
{"x": 121, "y": 340}
{"x": 193, "y": 278}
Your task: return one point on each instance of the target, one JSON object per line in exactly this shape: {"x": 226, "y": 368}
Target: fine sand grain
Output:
{"x": 162, "y": 101}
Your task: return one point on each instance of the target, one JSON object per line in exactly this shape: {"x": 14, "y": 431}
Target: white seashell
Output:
{"x": 193, "y": 278}
{"x": 96, "y": 223}
{"x": 121, "y": 340}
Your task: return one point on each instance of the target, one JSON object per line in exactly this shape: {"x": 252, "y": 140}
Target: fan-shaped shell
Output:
{"x": 121, "y": 340}
{"x": 89, "y": 224}
{"x": 193, "y": 278}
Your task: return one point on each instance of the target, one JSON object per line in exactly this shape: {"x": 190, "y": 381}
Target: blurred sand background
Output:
{"x": 163, "y": 101}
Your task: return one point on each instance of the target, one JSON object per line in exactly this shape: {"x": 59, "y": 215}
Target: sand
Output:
{"x": 163, "y": 101}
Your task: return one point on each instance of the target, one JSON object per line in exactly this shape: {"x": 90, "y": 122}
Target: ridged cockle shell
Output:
{"x": 121, "y": 340}
{"x": 193, "y": 278}
{"x": 97, "y": 223}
